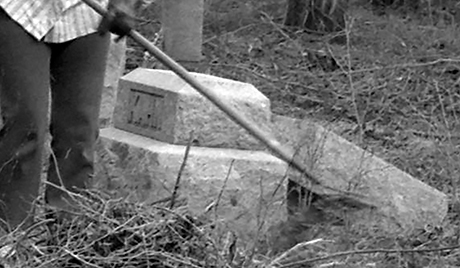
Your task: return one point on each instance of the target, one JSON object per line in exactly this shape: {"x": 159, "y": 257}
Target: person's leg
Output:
{"x": 77, "y": 71}
{"x": 24, "y": 91}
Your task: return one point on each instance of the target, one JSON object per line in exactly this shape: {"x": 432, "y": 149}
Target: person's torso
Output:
{"x": 53, "y": 21}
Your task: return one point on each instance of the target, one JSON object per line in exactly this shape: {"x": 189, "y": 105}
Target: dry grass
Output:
{"x": 107, "y": 232}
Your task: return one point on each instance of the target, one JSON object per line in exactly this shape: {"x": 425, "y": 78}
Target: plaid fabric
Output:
{"x": 53, "y": 21}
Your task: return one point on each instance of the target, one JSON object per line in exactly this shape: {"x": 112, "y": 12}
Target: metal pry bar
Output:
{"x": 280, "y": 151}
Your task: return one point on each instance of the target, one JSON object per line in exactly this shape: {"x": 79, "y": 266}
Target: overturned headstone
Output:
{"x": 398, "y": 201}
{"x": 242, "y": 185}
{"x": 160, "y": 105}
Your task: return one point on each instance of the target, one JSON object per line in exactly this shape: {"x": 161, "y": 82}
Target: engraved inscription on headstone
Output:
{"x": 145, "y": 110}
{"x": 158, "y": 104}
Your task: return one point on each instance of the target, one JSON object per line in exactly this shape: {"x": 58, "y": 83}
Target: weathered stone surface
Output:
{"x": 182, "y": 23}
{"x": 402, "y": 202}
{"x": 114, "y": 70}
{"x": 246, "y": 187}
{"x": 146, "y": 170}
{"x": 160, "y": 105}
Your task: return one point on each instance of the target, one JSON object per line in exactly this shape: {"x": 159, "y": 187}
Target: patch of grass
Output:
{"x": 113, "y": 232}
{"x": 107, "y": 232}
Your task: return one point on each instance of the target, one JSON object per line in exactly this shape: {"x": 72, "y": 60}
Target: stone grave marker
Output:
{"x": 115, "y": 67}
{"x": 182, "y": 23}
{"x": 226, "y": 169}
{"x": 160, "y": 105}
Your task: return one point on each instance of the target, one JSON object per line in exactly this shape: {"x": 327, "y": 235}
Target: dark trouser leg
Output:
{"x": 24, "y": 85}
{"x": 77, "y": 70}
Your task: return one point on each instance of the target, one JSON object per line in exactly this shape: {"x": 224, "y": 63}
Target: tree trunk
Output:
{"x": 295, "y": 15}
{"x": 321, "y": 16}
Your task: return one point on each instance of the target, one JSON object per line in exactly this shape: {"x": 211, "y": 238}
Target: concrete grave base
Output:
{"x": 243, "y": 189}
{"x": 146, "y": 170}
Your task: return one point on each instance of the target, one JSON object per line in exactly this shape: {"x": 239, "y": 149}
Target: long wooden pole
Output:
{"x": 280, "y": 151}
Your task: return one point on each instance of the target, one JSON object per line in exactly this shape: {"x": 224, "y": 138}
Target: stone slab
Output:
{"x": 402, "y": 202}
{"x": 160, "y": 105}
{"x": 182, "y": 24}
{"x": 246, "y": 187}
{"x": 146, "y": 169}
{"x": 115, "y": 66}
